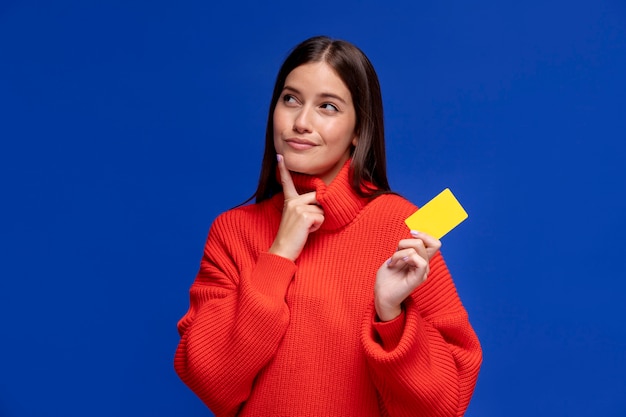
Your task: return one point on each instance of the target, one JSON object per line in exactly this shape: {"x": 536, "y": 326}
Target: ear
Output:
{"x": 355, "y": 140}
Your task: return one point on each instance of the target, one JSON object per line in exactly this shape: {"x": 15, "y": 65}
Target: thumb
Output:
{"x": 289, "y": 189}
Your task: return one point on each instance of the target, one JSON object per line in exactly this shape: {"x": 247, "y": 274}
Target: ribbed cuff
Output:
{"x": 390, "y": 332}
{"x": 272, "y": 275}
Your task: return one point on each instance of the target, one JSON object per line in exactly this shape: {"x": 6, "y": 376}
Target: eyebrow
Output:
{"x": 322, "y": 95}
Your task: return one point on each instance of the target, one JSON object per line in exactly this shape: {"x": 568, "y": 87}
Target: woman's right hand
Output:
{"x": 301, "y": 216}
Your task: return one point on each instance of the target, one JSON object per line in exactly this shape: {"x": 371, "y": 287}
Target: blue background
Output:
{"x": 127, "y": 126}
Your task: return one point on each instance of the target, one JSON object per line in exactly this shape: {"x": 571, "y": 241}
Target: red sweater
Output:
{"x": 265, "y": 336}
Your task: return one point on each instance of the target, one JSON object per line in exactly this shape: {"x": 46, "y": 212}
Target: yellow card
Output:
{"x": 437, "y": 217}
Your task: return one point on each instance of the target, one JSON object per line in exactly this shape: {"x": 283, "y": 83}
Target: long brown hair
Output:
{"x": 369, "y": 168}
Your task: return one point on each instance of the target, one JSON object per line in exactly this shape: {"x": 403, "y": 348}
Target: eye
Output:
{"x": 288, "y": 98}
{"x": 329, "y": 107}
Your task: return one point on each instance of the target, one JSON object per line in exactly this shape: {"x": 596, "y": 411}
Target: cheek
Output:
{"x": 342, "y": 133}
{"x": 279, "y": 145}
{"x": 277, "y": 128}
{"x": 280, "y": 121}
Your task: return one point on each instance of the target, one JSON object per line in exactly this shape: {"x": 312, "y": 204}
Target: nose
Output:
{"x": 302, "y": 122}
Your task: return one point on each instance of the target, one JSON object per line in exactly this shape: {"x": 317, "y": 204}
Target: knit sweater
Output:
{"x": 265, "y": 336}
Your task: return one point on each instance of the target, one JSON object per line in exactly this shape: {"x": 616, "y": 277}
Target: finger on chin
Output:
{"x": 289, "y": 189}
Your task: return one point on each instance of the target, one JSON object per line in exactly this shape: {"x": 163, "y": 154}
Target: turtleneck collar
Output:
{"x": 340, "y": 202}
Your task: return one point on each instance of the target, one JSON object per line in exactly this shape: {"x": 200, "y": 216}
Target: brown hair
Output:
{"x": 369, "y": 170}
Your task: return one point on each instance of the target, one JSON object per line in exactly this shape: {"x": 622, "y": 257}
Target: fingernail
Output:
{"x": 279, "y": 157}
{"x": 414, "y": 233}
{"x": 389, "y": 261}
{"x": 406, "y": 258}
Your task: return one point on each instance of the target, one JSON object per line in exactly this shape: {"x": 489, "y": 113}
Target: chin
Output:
{"x": 297, "y": 163}
{"x": 300, "y": 169}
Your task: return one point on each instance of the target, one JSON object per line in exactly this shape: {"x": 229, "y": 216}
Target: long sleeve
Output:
{"x": 425, "y": 362}
{"x": 235, "y": 322}
{"x": 265, "y": 336}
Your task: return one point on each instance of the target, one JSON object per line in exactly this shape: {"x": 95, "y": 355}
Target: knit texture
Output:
{"x": 265, "y": 336}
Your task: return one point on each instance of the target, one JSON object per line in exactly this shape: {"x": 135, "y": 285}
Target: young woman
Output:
{"x": 317, "y": 300}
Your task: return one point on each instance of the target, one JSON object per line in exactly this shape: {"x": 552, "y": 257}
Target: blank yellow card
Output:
{"x": 437, "y": 217}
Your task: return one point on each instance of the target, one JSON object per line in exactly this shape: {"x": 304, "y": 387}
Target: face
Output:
{"x": 314, "y": 121}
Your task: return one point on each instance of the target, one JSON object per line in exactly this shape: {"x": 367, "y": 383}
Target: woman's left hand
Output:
{"x": 407, "y": 268}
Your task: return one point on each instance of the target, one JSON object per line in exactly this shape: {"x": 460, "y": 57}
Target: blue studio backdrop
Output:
{"x": 127, "y": 126}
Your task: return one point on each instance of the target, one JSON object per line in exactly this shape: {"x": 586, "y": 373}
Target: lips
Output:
{"x": 300, "y": 144}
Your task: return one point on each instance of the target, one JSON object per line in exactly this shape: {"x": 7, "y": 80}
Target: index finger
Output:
{"x": 432, "y": 244}
{"x": 289, "y": 189}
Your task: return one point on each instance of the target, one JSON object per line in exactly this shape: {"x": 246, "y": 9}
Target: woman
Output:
{"x": 317, "y": 300}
